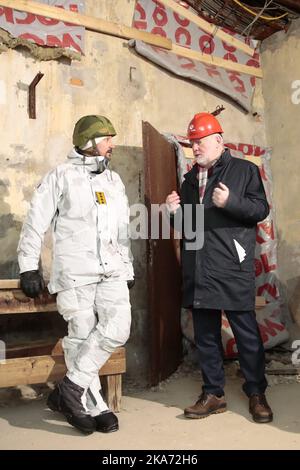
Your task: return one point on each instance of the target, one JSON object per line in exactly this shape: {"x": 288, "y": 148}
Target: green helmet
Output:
{"x": 91, "y": 127}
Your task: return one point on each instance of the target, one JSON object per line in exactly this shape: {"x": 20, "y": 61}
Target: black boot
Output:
{"x": 53, "y": 401}
{"x": 106, "y": 422}
{"x": 70, "y": 404}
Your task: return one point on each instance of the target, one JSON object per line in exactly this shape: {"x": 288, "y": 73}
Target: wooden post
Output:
{"x": 112, "y": 388}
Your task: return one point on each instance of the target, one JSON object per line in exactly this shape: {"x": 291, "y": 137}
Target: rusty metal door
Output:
{"x": 163, "y": 269}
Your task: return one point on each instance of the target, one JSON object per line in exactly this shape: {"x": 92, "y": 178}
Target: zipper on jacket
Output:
{"x": 97, "y": 221}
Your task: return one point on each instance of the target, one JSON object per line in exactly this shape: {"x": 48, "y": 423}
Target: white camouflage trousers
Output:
{"x": 99, "y": 318}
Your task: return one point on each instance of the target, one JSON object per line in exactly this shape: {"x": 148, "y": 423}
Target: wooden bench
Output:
{"x": 43, "y": 361}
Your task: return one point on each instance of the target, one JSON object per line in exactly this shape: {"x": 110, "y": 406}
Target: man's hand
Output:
{"x": 220, "y": 195}
{"x": 173, "y": 202}
{"x": 32, "y": 283}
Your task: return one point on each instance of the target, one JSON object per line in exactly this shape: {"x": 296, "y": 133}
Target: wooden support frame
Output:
{"x": 41, "y": 369}
{"x": 48, "y": 368}
{"x": 208, "y": 27}
{"x": 89, "y": 22}
{"x": 34, "y": 369}
{"x": 13, "y": 301}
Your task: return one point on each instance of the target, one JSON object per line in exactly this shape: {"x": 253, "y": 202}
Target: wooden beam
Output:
{"x": 13, "y": 301}
{"x": 116, "y": 364}
{"x": 260, "y": 302}
{"x": 89, "y": 22}
{"x": 208, "y": 27}
{"x": 42, "y": 369}
{"x": 9, "y": 284}
{"x": 31, "y": 370}
{"x": 32, "y": 348}
{"x": 217, "y": 61}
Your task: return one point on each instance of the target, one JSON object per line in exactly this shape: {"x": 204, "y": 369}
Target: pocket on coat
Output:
{"x": 240, "y": 251}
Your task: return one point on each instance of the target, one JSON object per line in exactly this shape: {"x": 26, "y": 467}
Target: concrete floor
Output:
{"x": 153, "y": 419}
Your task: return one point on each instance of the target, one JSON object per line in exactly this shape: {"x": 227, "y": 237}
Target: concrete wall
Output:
{"x": 281, "y": 67}
{"x": 117, "y": 83}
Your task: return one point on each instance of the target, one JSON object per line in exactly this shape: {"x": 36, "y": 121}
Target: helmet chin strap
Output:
{"x": 99, "y": 162}
{"x": 102, "y": 164}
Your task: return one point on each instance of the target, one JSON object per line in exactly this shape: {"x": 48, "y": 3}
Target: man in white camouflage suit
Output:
{"x": 86, "y": 205}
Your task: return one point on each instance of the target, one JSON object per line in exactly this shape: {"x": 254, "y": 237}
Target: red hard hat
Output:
{"x": 202, "y": 125}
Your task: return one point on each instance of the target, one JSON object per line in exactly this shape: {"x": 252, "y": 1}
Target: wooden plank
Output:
{"x": 188, "y": 153}
{"x": 112, "y": 388}
{"x": 9, "y": 284}
{"x": 217, "y": 61}
{"x": 89, "y": 22}
{"x": 118, "y": 357}
{"x": 116, "y": 364}
{"x": 14, "y": 301}
{"x": 31, "y": 370}
{"x": 32, "y": 348}
{"x": 41, "y": 369}
{"x": 286, "y": 371}
{"x": 260, "y": 302}
{"x": 208, "y": 27}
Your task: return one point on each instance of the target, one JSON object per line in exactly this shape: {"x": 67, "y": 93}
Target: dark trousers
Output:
{"x": 208, "y": 340}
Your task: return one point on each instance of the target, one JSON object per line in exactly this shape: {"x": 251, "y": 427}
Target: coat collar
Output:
{"x": 191, "y": 176}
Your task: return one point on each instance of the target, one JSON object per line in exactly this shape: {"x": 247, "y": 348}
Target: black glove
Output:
{"x": 32, "y": 283}
{"x": 130, "y": 283}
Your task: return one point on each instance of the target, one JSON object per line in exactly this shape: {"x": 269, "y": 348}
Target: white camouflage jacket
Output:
{"x": 89, "y": 215}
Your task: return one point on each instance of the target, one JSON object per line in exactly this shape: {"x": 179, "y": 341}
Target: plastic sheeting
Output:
{"x": 45, "y": 31}
{"x": 154, "y": 17}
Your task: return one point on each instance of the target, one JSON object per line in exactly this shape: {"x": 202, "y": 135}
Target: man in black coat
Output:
{"x": 220, "y": 275}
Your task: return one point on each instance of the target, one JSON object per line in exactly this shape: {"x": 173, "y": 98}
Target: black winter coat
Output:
{"x": 213, "y": 276}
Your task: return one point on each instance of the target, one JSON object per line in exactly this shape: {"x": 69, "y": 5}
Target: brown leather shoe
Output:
{"x": 207, "y": 404}
{"x": 260, "y": 409}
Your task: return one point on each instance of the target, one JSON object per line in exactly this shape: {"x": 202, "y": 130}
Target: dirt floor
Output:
{"x": 153, "y": 418}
